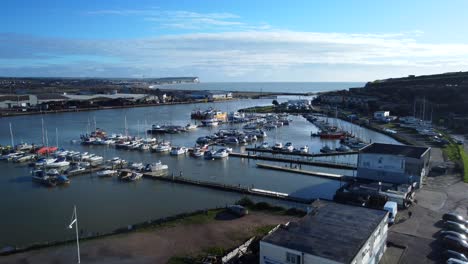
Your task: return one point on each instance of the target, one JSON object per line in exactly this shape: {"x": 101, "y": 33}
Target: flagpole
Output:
{"x": 77, "y": 238}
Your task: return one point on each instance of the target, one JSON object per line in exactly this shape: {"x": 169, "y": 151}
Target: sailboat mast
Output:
{"x": 126, "y": 130}
{"x": 56, "y": 137}
{"x": 11, "y": 135}
{"x": 42, "y": 123}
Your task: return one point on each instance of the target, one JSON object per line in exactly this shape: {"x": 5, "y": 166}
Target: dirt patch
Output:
{"x": 157, "y": 245}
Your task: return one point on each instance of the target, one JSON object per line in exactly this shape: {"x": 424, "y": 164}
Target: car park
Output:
{"x": 456, "y": 244}
{"x": 444, "y": 233}
{"x": 454, "y": 217}
{"x": 454, "y": 226}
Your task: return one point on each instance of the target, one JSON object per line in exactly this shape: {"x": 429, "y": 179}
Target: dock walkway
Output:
{"x": 294, "y": 161}
{"x": 230, "y": 188}
{"x": 309, "y": 155}
{"x": 305, "y": 172}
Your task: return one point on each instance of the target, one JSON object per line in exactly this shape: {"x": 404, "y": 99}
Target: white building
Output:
{"x": 331, "y": 233}
{"x": 17, "y": 101}
{"x": 390, "y": 163}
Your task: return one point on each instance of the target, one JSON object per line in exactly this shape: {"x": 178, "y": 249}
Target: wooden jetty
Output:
{"x": 294, "y": 161}
{"x": 309, "y": 155}
{"x": 229, "y": 188}
{"x": 305, "y": 172}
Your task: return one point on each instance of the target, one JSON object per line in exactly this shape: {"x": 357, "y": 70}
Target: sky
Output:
{"x": 244, "y": 41}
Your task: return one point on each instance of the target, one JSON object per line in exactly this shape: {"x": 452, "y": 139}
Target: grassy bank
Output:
{"x": 259, "y": 109}
{"x": 457, "y": 153}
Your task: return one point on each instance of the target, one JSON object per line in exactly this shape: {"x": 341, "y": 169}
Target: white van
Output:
{"x": 392, "y": 208}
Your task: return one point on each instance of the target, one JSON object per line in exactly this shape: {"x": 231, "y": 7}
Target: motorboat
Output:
{"x": 175, "y": 151}
{"x": 221, "y": 153}
{"x": 278, "y": 146}
{"x": 135, "y": 176}
{"x": 190, "y": 127}
{"x": 343, "y": 148}
{"x": 209, "y": 154}
{"x": 94, "y": 159}
{"x": 40, "y": 176}
{"x": 304, "y": 149}
{"x": 24, "y": 158}
{"x": 137, "y": 166}
{"x": 107, "y": 173}
{"x": 288, "y": 147}
{"x": 231, "y": 141}
{"x": 58, "y": 163}
{"x": 12, "y": 156}
{"x": 197, "y": 153}
{"x": 163, "y": 147}
{"x": 62, "y": 179}
{"x": 145, "y": 147}
{"x": 210, "y": 122}
{"x": 44, "y": 161}
{"x": 264, "y": 145}
{"x": 75, "y": 170}
{"x": 116, "y": 161}
{"x": 24, "y": 147}
{"x": 155, "y": 167}
{"x": 326, "y": 149}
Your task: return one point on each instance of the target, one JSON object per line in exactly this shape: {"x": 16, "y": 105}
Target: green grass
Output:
{"x": 259, "y": 109}
{"x": 263, "y": 230}
{"x": 464, "y": 160}
{"x": 457, "y": 153}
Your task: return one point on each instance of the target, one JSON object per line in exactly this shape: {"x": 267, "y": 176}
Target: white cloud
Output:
{"x": 243, "y": 55}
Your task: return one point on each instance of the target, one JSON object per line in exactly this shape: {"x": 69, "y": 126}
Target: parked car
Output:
{"x": 454, "y": 217}
{"x": 444, "y": 233}
{"x": 456, "y": 261}
{"x": 454, "y": 226}
{"x": 455, "y": 243}
{"x": 238, "y": 210}
{"x": 454, "y": 255}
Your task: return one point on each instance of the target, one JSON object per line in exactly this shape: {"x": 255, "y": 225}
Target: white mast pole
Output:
{"x": 77, "y": 237}
{"x": 11, "y": 135}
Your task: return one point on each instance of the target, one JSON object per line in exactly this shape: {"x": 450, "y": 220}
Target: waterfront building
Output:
{"x": 17, "y": 101}
{"x": 390, "y": 163}
{"x": 381, "y": 115}
{"x": 329, "y": 233}
{"x": 210, "y": 95}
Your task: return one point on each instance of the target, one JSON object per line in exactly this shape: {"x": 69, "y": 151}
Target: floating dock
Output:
{"x": 230, "y": 188}
{"x": 294, "y": 161}
{"x": 309, "y": 155}
{"x": 305, "y": 172}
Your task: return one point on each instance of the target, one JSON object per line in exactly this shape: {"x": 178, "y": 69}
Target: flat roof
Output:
{"x": 391, "y": 149}
{"x": 333, "y": 231}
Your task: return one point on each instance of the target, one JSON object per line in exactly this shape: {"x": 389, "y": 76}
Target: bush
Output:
{"x": 245, "y": 201}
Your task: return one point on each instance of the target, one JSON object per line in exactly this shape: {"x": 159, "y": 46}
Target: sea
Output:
{"x": 296, "y": 87}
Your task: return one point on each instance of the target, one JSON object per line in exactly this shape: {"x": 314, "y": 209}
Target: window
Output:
{"x": 293, "y": 258}
{"x": 380, "y": 160}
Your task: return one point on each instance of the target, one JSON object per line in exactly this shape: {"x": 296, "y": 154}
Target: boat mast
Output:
{"x": 126, "y": 129}
{"x": 11, "y": 136}
{"x": 42, "y": 123}
{"x": 56, "y": 137}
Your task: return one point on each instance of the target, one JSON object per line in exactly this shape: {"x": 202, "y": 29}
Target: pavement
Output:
{"x": 414, "y": 236}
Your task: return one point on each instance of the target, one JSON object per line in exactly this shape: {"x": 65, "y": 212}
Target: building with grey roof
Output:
{"x": 400, "y": 164}
{"x": 329, "y": 233}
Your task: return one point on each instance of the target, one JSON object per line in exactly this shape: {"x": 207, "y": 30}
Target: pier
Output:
{"x": 309, "y": 155}
{"x": 294, "y": 161}
{"x": 305, "y": 172}
{"x": 229, "y": 188}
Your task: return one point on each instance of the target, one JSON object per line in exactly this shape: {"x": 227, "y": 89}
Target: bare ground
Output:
{"x": 156, "y": 245}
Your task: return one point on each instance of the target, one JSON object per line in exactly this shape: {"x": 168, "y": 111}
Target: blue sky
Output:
{"x": 233, "y": 40}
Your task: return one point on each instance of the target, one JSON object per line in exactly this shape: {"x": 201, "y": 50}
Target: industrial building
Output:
{"x": 210, "y": 95}
{"x": 329, "y": 233}
{"x": 400, "y": 164}
{"x": 17, "y": 101}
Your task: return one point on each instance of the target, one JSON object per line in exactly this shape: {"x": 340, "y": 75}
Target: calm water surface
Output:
{"x": 31, "y": 213}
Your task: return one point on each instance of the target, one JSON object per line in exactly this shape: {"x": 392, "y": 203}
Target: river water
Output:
{"x": 32, "y": 213}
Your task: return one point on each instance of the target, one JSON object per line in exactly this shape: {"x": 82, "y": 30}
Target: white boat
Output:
{"x": 94, "y": 159}
{"x": 220, "y": 154}
{"x": 190, "y": 127}
{"x": 229, "y": 150}
{"x": 109, "y": 142}
{"x": 12, "y": 156}
{"x": 116, "y": 161}
{"x": 137, "y": 166}
{"x": 278, "y": 146}
{"x": 157, "y": 166}
{"x": 145, "y": 147}
{"x": 58, "y": 163}
{"x": 83, "y": 164}
{"x": 288, "y": 147}
{"x": 107, "y": 173}
{"x": 44, "y": 161}
{"x": 175, "y": 151}
{"x": 135, "y": 176}
{"x": 210, "y": 122}
{"x": 343, "y": 148}
{"x": 24, "y": 158}
{"x": 197, "y": 153}
{"x": 264, "y": 145}
{"x": 304, "y": 149}
{"x": 75, "y": 170}
{"x": 24, "y": 147}
{"x": 163, "y": 147}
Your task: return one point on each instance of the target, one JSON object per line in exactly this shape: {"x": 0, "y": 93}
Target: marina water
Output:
{"x": 32, "y": 213}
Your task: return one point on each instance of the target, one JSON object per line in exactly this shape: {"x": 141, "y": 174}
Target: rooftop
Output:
{"x": 333, "y": 231}
{"x": 391, "y": 149}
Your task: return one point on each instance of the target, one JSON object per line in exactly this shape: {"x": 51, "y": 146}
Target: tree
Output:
{"x": 275, "y": 103}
